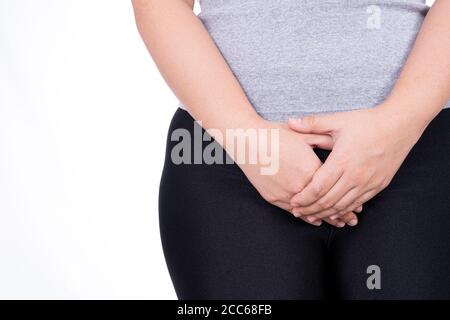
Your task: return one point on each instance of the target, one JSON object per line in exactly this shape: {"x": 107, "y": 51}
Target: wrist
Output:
{"x": 404, "y": 118}
{"x": 237, "y": 131}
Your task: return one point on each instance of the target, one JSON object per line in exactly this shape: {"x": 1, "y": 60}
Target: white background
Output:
{"x": 83, "y": 119}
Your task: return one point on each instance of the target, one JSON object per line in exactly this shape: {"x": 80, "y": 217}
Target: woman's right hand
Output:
{"x": 203, "y": 81}
{"x": 297, "y": 164}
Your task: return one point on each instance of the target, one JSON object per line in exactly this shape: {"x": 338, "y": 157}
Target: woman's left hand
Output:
{"x": 369, "y": 147}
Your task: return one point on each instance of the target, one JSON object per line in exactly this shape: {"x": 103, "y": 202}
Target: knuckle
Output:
{"x": 320, "y": 214}
{"x": 385, "y": 183}
{"x": 357, "y": 172}
{"x": 323, "y": 204}
{"x": 340, "y": 207}
{"x": 294, "y": 187}
{"x": 328, "y": 212}
{"x": 316, "y": 189}
{"x": 304, "y": 211}
{"x": 357, "y": 203}
{"x": 308, "y": 171}
{"x": 358, "y": 175}
{"x": 379, "y": 185}
{"x": 348, "y": 218}
{"x": 294, "y": 202}
{"x": 270, "y": 197}
{"x": 288, "y": 207}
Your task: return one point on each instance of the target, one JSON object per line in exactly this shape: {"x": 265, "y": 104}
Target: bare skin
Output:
{"x": 380, "y": 138}
{"x": 194, "y": 69}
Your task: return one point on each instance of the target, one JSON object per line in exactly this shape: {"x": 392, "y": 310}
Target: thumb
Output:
{"x": 312, "y": 124}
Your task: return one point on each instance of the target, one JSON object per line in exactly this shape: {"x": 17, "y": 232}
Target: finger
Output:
{"x": 338, "y": 223}
{"x": 283, "y": 205}
{"x": 349, "y": 218}
{"x": 356, "y": 205}
{"x": 348, "y": 201}
{"x": 316, "y": 212}
{"x": 339, "y": 214}
{"x": 313, "y": 124}
{"x": 368, "y": 195}
{"x": 316, "y": 223}
{"x": 321, "y": 141}
{"x": 322, "y": 181}
{"x": 326, "y": 206}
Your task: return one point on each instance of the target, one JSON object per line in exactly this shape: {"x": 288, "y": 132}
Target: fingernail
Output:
{"x": 318, "y": 223}
{"x": 334, "y": 217}
{"x": 341, "y": 224}
{"x": 311, "y": 219}
{"x": 353, "y": 222}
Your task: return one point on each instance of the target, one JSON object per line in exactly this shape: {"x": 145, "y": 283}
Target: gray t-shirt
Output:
{"x": 298, "y": 57}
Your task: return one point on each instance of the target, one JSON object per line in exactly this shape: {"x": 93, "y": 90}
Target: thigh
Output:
{"x": 221, "y": 240}
{"x": 405, "y": 230}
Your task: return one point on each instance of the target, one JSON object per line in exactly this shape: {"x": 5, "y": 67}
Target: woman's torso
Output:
{"x": 297, "y": 57}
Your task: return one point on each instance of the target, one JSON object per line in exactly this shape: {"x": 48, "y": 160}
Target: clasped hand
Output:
{"x": 368, "y": 148}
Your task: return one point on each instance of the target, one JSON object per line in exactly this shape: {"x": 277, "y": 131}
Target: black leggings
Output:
{"x": 223, "y": 241}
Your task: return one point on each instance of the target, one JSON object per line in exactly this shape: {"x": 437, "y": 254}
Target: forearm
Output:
{"x": 423, "y": 87}
{"x": 192, "y": 65}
